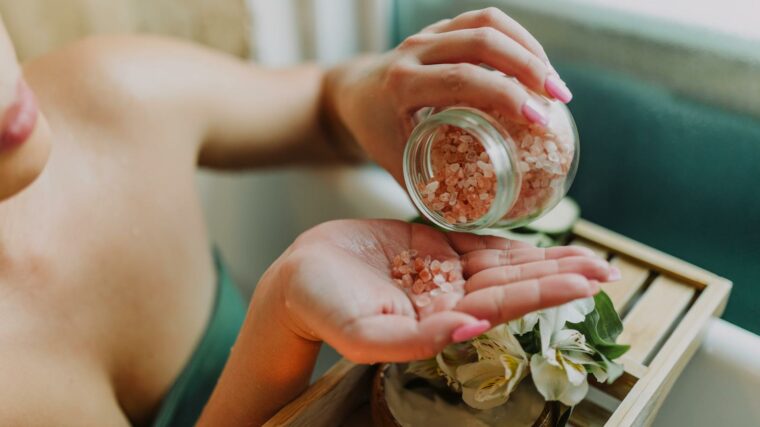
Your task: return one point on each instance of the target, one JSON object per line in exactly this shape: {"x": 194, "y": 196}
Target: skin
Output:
{"x": 103, "y": 250}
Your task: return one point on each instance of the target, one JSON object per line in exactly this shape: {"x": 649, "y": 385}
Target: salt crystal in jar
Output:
{"x": 467, "y": 169}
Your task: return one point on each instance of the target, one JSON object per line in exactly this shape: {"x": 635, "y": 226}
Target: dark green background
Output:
{"x": 677, "y": 175}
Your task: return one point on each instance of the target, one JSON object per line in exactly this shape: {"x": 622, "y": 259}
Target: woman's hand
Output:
{"x": 375, "y": 97}
{"x": 335, "y": 285}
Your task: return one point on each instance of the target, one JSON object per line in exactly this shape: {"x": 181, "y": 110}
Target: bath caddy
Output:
{"x": 664, "y": 302}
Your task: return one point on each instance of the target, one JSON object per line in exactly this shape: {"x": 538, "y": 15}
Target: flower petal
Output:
{"x": 468, "y": 395}
{"x": 570, "y": 340}
{"x": 427, "y": 369}
{"x": 524, "y": 324}
{"x": 484, "y": 385}
{"x": 553, "y": 383}
{"x": 576, "y": 311}
{"x": 576, "y": 373}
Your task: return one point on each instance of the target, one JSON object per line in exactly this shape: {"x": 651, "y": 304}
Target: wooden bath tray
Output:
{"x": 664, "y": 302}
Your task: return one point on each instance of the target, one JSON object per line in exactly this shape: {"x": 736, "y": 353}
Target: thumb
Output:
{"x": 398, "y": 338}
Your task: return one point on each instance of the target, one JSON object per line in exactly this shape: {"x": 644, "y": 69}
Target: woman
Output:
{"x": 112, "y": 310}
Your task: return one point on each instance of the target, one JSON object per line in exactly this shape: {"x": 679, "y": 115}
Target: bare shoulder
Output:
{"x": 40, "y": 389}
{"x": 145, "y": 85}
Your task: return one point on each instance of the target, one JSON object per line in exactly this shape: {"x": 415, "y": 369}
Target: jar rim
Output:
{"x": 496, "y": 142}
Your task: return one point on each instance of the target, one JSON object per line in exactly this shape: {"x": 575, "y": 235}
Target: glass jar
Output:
{"x": 466, "y": 169}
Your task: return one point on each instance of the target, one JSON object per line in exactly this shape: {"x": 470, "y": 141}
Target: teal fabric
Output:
{"x": 674, "y": 174}
{"x": 183, "y": 404}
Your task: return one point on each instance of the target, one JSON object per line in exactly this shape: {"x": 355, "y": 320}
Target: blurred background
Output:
{"x": 667, "y": 101}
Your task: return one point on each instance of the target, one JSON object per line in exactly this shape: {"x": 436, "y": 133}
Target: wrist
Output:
{"x": 276, "y": 301}
{"x": 335, "y": 85}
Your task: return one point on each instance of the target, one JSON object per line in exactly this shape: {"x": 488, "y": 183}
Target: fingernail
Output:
{"x": 471, "y": 330}
{"x": 594, "y": 287}
{"x": 534, "y": 113}
{"x": 615, "y": 274}
{"x": 557, "y": 88}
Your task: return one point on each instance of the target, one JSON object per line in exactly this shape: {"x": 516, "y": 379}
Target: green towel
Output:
{"x": 183, "y": 404}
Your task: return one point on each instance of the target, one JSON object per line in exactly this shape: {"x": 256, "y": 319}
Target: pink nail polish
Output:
{"x": 615, "y": 274}
{"x": 471, "y": 330}
{"x": 534, "y": 113}
{"x": 557, "y": 88}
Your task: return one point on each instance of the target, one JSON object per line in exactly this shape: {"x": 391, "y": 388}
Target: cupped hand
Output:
{"x": 375, "y": 97}
{"x": 334, "y": 284}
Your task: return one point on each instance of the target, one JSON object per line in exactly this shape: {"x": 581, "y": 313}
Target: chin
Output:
{"x": 21, "y": 166}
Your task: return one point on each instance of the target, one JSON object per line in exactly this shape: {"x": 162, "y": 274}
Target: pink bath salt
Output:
{"x": 419, "y": 264}
{"x": 422, "y": 300}
{"x": 424, "y": 277}
{"x": 418, "y": 287}
{"x": 454, "y": 276}
{"x": 446, "y": 287}
{"x": 460, "y": 163}
{"x": 406, "y": 280}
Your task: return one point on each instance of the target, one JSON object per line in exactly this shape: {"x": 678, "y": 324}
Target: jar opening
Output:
{"x": 465, "y": 177}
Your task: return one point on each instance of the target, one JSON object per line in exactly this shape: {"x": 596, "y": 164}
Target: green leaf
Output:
{"x": 612, "y": 351}
{"x": 610, "y": 325}
{"x": 602, "y": 327}
{"x": 530, "y": 342}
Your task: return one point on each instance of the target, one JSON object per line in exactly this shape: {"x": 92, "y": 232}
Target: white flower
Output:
{"x": 502, "y": 364}
{"x": 524, "y": 324}
{"x": 558, "y": 370}
{"x": 573, "y": 312}
{"x": 451, "y": 358}
{"x": 427, "y": 369}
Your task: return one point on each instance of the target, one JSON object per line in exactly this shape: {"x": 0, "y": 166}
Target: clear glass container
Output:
{"x": 466, "y": 169}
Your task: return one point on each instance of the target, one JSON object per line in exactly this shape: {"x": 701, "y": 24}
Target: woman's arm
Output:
{"x": 269, "y": 365}
{"x": 236, "y": 115}
{"x": 192, "y": 100}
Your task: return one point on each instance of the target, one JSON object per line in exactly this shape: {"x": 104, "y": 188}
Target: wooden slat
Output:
{"x": 632, "y": 367}
{"x": 600, "y": 251}
{"x": 641, "y": 404}
{"x": 647, "y": 256}
{"x": 634, "y": 277}
{"x": 623, "y": 385}
{"x": 588, "y": 414}
{"x": 329, "y": 400}
{"x": 653, "y": 316}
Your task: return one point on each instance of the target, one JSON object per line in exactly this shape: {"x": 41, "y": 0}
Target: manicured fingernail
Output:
{"x": 594, "y": 287}
{"x": 615, "y": 274}
{"x": 533, "y": 112}
{"x": 471, "y": 330}
{"x": 557, "y": 88}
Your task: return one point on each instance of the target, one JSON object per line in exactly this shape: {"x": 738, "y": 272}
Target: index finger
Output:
{"x": 468, "y": 242}
{"x": 492, "y": 17}
{"x": 499, "y": 304}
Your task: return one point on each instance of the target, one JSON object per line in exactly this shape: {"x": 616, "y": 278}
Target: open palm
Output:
{"x": 336, "y": 284}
